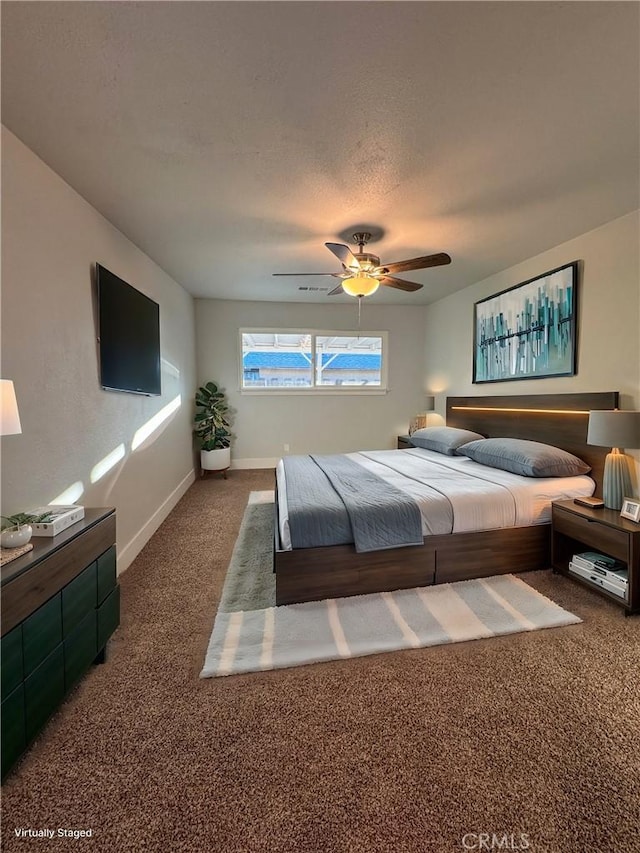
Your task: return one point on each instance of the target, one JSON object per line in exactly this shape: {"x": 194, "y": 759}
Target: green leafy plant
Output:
{"x": 7, "y": 522}
{"x": 213, "y": 418}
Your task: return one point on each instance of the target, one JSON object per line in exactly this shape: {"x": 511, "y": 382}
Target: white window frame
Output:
{"x": 340, "y": 390}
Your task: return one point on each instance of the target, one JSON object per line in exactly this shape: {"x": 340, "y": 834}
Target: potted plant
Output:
{"x": 212, "y": 426}
{"x": 17, "y": 530}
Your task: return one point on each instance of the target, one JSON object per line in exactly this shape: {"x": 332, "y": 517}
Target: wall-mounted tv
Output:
{"x": 129, "y": 336}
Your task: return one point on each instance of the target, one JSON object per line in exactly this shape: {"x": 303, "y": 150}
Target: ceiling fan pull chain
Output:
{"x": 359, "y": 312}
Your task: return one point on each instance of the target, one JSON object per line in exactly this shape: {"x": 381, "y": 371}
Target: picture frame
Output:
{"x": 528, "y": 331}
{"x": 630, "y": 509}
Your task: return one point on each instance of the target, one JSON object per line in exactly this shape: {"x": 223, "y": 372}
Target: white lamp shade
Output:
{"x": 614, "y": 429}
{"x": 9, "y": 417}
{"x": 429, "y": 403}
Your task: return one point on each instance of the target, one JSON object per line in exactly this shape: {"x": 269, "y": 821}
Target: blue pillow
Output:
{"x": 442, "y": 439}
{"x": 527, "y": 458}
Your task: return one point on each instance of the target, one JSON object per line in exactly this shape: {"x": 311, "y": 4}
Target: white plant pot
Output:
{"x": 16, "y": 537}
{"x": 215, "y": 460}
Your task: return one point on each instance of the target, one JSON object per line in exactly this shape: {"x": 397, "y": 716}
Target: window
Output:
{"x": 299, "y": 361}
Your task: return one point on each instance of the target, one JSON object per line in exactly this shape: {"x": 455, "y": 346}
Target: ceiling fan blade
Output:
{"x": 305, "y": 273}
{"x": 400, "y": 283}
{"x": 343, "y": 254}
{"x": 336, "y": 291}
{"x": 418, "y": 263}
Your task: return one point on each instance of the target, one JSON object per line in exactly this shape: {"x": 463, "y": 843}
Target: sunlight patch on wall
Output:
{"x": 70, "y": 495}
{"x": 154, "y": 423}
{"x": 105, "y": 465}
{"x": 169, "y": 368}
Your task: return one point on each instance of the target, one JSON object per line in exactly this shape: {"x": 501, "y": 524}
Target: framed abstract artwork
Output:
{"x": 529, "y": 330}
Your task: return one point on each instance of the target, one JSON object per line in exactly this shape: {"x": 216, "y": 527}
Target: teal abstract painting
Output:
{"x": 529, "y": 330}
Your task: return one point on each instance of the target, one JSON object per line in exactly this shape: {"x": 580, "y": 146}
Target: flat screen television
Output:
{"x": 129, "y": 336}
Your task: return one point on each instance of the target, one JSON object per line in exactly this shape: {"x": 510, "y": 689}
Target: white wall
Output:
{"x": 608, "y": 321}
{"x": 51, "y": 239}
{"x": 324, "y": 424}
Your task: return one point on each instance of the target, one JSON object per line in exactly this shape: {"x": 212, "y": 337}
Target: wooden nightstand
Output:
{"x": 404, "y": 442}
{"x": 578, "y": 528}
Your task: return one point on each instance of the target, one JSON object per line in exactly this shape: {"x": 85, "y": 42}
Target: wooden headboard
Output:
{"x": 558, "y": 419}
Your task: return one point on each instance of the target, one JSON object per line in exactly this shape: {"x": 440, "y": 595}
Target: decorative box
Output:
{"x": 63, "y": 517}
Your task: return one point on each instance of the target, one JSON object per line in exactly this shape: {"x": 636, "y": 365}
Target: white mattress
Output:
{"x": 455, "y": 494}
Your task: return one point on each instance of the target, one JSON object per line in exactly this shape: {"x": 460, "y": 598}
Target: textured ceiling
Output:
{"x": 231, "y": 140}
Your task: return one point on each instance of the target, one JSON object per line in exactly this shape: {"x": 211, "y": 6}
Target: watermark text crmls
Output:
{"x": 60, "y": 832}
{"x": 495, "y": 841}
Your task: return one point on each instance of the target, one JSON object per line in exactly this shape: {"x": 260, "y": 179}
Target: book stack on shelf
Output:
{"x": 604, "y": 571}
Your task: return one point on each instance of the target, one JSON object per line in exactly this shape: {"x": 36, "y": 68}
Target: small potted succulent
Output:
{"x": 212, "y": 425}
{"x": 17, "y": 530}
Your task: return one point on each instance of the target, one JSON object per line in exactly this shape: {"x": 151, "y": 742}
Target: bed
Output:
{"x": 474, "y": 520}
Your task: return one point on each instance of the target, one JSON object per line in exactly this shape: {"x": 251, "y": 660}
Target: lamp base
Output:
{"x": 617, "y": 479}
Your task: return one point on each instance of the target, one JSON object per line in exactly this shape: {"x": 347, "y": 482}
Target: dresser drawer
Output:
{"x": 41, "y": 633}
{"x": 13, "y": 731}
{"x": 597, "y": 536}
{"x": 106, "y": 573}
{"x": 108, "y": 617}
{"x": 80, "y": 649}
{"x": 11, "y": 661}
{"x": 78, "y": 598}
{"x": 43, "y": 692}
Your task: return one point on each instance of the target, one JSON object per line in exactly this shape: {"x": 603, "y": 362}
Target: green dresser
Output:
{"x": 60, "y": 605}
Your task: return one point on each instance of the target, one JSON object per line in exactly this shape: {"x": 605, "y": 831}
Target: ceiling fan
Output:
{"x": 362, "y": 273}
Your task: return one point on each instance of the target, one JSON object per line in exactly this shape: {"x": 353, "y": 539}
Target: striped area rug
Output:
{"x": 296, "y": 634}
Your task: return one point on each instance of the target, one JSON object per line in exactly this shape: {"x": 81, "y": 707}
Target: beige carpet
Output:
{"x": 533, "y": 733}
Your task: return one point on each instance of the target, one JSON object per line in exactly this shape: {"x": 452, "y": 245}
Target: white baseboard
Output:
{"x": 255, "y": 463}
{"x": 131, "y": 550}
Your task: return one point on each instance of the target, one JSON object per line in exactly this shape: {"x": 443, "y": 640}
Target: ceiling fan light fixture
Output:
{"x": 360, "y": 284}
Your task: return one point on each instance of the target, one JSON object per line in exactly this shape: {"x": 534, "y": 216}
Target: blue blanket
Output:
{"x": 331, "y": 500}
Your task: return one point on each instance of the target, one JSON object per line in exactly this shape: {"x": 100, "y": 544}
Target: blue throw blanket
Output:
{"x": 331, "y": 500}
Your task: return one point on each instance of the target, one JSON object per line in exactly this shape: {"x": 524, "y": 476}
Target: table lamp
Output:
{"x": 616, "y": 429}
{"x": 422, "y": 419}
{"x": 9, "y": 416}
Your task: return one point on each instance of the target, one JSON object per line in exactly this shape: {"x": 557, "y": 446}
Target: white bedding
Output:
{"x": 455, "y": 494}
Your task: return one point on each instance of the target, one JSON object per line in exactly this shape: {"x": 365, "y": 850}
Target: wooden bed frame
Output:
{"x": 311, "y": 574}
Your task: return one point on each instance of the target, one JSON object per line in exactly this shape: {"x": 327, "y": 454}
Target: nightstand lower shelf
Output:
{"x": 576, "y": 529}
